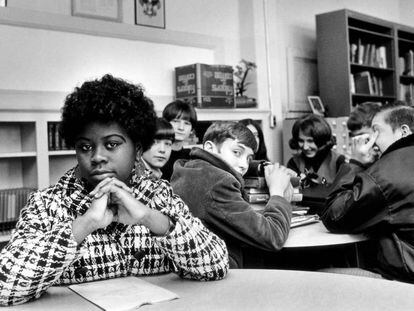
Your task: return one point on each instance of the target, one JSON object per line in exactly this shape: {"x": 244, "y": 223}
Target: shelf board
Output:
{"x": 406, "y": 40}
{"x": 371, "y": 33}
{"x": 61, "y": 152}
{"x": 372, "y": 68}
{"x": 24, "y": 154}
{"x": 4, "y": 237}
{"x": 373, "y": 97}
{"x": 407, "y": 79}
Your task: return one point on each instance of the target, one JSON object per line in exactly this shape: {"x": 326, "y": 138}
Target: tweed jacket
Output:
{"x": 43, "y": 252}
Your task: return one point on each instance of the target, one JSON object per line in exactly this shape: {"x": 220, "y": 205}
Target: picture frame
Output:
{"x": 302, "y": 78}
{"x": 110, "y": 10}
{"x": 150, "y": 13}
{"x": 3, "y": 3}
{"x": 316, "y": 105}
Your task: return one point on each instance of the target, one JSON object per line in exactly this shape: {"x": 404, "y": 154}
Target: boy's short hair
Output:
{"x": 180, "y": 110}
{"x": 314, "y": 126}
{"x": 397, "y": 114}
{"x": 362, "y": 115}
{"x": 218, "y": 132}
{"x": 108, "y": 100}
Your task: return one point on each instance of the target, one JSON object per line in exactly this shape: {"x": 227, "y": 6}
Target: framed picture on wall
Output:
{"x": 108, "y": 9}
{"x": 150, "y": 13}
{"x": 3, "y": 2}
{"x": 316, "y": 105}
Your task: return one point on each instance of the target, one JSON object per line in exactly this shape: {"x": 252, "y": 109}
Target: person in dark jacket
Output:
{"x": 377, "y": 197}
{"x": 315, "y": 162}
{"x": 211, "y": 184}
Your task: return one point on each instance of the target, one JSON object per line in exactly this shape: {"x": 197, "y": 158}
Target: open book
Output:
{"x": 121, "y": 294}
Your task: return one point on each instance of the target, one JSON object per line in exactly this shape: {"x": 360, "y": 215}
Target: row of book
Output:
{"x": 11, "y": 203}
{"x": 368, "y": 54}
{"x": 55, "y": 141}
{"x": 365, "y": 82}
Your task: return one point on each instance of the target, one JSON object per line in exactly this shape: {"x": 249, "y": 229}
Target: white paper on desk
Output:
{"x": 122, "y": 294}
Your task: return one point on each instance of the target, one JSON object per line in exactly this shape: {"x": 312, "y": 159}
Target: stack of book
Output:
{"x": 257, "y": 192}
{"x": 11, "y": 203}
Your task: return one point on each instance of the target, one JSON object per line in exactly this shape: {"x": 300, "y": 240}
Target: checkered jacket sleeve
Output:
{"x": 36, "y": 255}
{"x": 195, "y": 252}
{"x": 43, "y": 252}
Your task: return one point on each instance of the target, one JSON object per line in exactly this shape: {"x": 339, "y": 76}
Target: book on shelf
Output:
{"x": 353, "y": 53}
{"x": 382, "y": 57}
{"x": 409, "y": 63}
{"x": 352, "y": 83}
{"x": 11, "y": 202}
{"x": 368, "y": 54}
{"x": 367, "y": 83}
{"x": 55, "y": 141}
{"x": 363, "y": 82}
{"x": 401, "y": 65}
{"x": 361, "y": 51}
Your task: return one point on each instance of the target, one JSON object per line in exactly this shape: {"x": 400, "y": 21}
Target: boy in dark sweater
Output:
{"x": 211, "y": 183}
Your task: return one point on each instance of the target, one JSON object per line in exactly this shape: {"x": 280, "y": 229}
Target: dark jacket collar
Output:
{"x": 198, "y": 153}
{"x": 401, "y": 143}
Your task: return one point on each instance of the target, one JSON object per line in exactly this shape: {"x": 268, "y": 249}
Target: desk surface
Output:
{"x": 258, "y": 290}
{"x": 317, "y": 235}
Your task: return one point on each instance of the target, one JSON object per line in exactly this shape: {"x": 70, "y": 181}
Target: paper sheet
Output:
{"x": 122, "y": 294}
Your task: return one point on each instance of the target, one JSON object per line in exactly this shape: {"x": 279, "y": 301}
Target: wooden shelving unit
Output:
{"x": 25, "y": 161}
{"x": 343, "y": 39}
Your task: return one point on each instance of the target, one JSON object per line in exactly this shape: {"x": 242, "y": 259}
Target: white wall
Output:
{"x": 47, "y": 60}
{"x": 55, "y": 61}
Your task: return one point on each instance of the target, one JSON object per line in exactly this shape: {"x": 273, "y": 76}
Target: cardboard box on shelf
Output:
{"x": 205, "y": 86}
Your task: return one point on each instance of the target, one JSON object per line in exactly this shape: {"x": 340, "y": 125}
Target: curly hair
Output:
{"x": 108, "y": 100}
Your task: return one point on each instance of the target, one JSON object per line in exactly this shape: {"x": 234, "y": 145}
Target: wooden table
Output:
{"x": 258, "y": 290}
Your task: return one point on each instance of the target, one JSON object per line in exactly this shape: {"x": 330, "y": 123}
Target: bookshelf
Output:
{"x": 357, "y": 59}
{"x": 26, "y": 161}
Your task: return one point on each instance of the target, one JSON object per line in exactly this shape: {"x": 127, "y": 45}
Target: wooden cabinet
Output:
{"x": 362, "y": 58}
